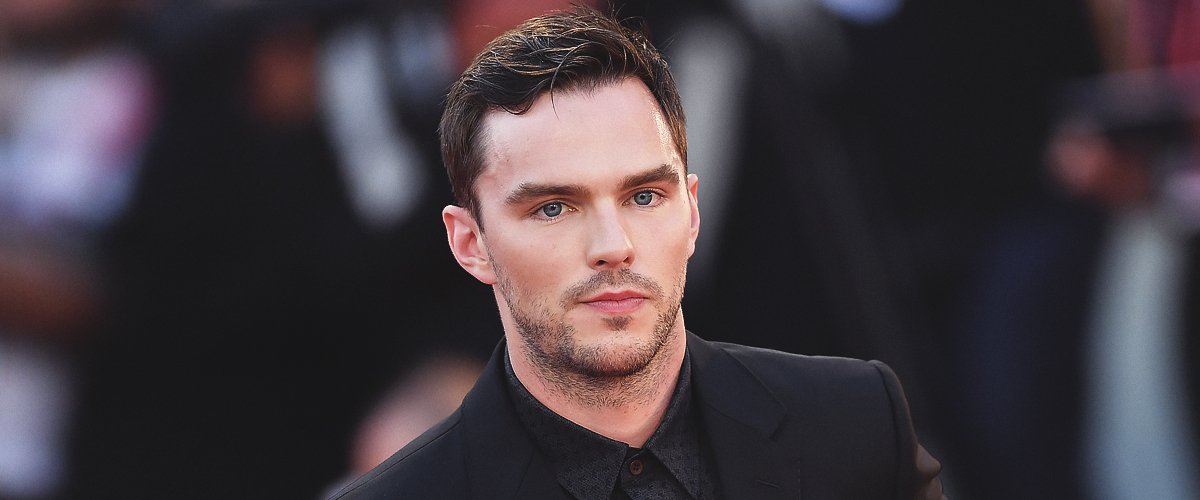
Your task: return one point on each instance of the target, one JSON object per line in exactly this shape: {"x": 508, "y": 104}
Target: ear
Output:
{"x": 466, "y": 243}
{"x": 693, "y": 188}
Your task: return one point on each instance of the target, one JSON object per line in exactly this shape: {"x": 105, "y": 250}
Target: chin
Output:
{"x": 619, "y": 354}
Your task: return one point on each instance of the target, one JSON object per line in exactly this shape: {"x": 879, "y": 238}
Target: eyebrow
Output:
{"x": 531, "y": 190}
{"x": 661, "y": 173}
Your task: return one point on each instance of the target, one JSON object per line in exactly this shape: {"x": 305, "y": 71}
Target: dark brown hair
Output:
{"x": 579, "y": 49}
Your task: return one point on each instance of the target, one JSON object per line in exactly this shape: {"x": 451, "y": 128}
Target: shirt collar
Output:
{"x": 587, "y": 464}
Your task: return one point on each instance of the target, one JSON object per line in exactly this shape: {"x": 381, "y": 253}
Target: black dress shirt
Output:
{"x": 673, "y": 464}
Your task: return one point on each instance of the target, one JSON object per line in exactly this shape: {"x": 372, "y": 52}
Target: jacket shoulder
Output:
{"x": 846, "y": 411}
{"x": 422, "y": 469}
{"x": 796, "y": 378}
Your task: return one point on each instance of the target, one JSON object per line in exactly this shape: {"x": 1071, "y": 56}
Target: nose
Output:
{"x": 610, "y": 246}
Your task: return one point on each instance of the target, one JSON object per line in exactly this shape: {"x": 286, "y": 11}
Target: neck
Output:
{"x": 626, "y": 409}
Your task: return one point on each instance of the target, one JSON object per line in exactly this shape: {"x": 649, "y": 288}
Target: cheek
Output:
{"x": 673, "y": 230}
{"x": 669, "y": 243}
{"x": 533, "y": 265}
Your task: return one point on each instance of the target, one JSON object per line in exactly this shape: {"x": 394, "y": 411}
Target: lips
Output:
{"x": 623, "y": 302}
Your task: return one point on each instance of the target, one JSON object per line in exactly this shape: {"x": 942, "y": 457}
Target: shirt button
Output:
{"x": 635, "y": 467}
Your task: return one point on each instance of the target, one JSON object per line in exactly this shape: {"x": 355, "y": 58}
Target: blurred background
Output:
{"x": 223, "y": 274}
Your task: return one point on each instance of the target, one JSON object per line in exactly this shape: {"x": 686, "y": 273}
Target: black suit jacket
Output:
{"x": 779, "y": 426}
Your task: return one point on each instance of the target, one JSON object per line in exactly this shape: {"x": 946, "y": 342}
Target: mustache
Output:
{"x": 622, "y": 278}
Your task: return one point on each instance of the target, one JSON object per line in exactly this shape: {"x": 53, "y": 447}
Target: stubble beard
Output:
{"x": 595, "y": 375}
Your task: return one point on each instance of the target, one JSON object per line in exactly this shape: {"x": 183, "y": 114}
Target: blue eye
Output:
{"x": 552, "y": 209}
{"x": 644, "y": 198}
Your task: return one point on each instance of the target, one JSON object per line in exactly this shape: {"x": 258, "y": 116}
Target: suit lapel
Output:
{"x": 740, "y": 417}
{"x": 501, "y": 460}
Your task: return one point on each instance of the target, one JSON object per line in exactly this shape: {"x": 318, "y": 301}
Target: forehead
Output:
{"x": 577, "y": 136}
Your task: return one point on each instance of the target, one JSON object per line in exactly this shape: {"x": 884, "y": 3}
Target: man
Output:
{"x": 564, "y": 141}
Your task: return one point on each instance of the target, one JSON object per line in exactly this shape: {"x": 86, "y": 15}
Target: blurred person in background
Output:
{"x": 269, "y": 274}
{"x": 76, "y": 103}
{"x": 1069, "y": 286}
{"x": 1128, "y": 141}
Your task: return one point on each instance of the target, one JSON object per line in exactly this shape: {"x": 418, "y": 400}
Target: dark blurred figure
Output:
{"x": 281, "y": 260}
{"x": 1066, "y": 313}
{"x": 1129, "y": 142}
{"x": 75, "y": 106}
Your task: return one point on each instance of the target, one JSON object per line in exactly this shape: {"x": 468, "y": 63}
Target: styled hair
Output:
{"x": 579, "y": 49}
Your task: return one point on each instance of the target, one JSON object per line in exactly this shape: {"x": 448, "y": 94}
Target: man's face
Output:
{"x": 589, "y": 224}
